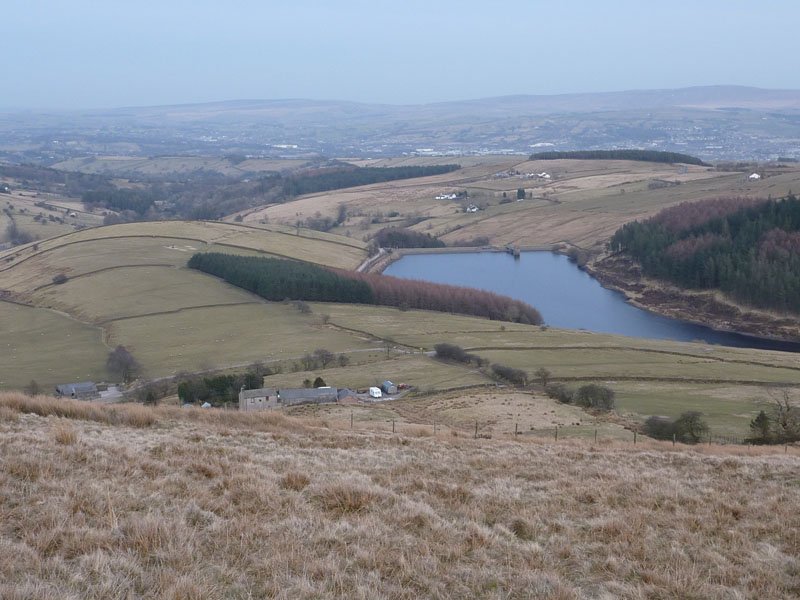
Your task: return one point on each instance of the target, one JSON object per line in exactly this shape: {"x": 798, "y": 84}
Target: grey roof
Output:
{"x": 259, "y": 393}
{"x": 310, "y": 393}
{"x": 344, "y": 393}
{"x": 82, "y": 387}
{"x": 387, "y": 384}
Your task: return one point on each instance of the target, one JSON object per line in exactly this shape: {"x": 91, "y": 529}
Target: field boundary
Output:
{"x": 634, "y": 349}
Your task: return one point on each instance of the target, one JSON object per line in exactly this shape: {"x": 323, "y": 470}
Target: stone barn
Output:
{"x": 259, "y": 399}
{"x": 291, "y": 397}
{"x": 84, "y": 390}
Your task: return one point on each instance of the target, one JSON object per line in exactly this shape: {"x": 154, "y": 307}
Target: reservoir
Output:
{"x": 567, "y": 297}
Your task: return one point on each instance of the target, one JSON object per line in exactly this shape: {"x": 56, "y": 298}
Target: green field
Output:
{"x": 128, "y": 284}
{"x": 47, "y": 347}
{"x": 215, "y": 337}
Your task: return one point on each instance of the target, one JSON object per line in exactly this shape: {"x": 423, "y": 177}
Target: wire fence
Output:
{"x": 488, "y": 430}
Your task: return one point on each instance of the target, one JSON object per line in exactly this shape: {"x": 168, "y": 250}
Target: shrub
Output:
{"x": 660, "y": 428}
{"x": 761, "y": 427}
{"x": 516, "y": 376}
{"x": 543, "y": 375}
{"x": 122, "y": 362}
{"x": 458, "y": 354}
{"x": 688, "y": 428}
{"x": 595, "y": 396}
{"x": 59, "y": 279}
{"x": 400, "y": 237}
{"x": 560, "y": 392}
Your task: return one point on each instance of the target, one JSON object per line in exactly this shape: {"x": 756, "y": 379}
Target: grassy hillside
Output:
{"x": 128, "y": 285}
{"x": 582, "y": 202}
{"x": 187, "y": 503}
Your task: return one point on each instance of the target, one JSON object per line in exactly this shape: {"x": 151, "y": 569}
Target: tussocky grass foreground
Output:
{"x": 125, "y": 501}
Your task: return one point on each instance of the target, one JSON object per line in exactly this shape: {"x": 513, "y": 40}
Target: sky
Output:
{"x": 71, "y": 54}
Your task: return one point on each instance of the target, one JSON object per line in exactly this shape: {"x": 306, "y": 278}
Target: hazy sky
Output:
{"x": 87, "y": 54}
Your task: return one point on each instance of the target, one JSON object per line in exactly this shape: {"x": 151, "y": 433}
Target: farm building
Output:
{"x": 259, "y": 399}
{"x": 388, "y": 387}
{"x": 347, "y": 396}
{"x": 84, "y": 390}
{"x": 754, "y": 177}
{"x": 290, "y": 397}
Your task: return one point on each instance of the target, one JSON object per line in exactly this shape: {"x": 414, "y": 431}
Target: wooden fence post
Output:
{"x": 556, "y": 434}
{"x": 595, "y": 435}
{"x": 634, "y": 438}
{"x": 673, "y": 439}
{"x": 516, "y": 429}
{"x": 351, "y": 419}
{"x": 392, "y": 425}
{"x": 476, "y": 430}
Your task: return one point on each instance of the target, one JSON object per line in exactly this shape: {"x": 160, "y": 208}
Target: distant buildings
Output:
{"x": 84, "y": 390}
{"x": 264, "y": 398}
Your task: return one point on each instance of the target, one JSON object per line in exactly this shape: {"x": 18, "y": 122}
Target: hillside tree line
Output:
{"x": 278, "y": 279}
{"x": 640, "y": 155}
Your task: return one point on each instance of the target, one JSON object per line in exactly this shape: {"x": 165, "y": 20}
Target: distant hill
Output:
{"x": 712, "y": 122}
{"x": 322, "y": 111}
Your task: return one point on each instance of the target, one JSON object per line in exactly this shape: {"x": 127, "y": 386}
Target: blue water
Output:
{"x": 566, "y": 296}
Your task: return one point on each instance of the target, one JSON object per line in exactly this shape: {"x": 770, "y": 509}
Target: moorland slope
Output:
{"x": 190, "y": 503}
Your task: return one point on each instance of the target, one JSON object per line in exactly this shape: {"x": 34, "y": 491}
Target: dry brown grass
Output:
{"x": 295, "y": 481}
{"x": 217, "y": 504}
{"x": 133, "y": 415}
{"x": 66, "y": 435}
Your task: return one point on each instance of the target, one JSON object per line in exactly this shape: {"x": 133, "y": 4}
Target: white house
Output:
{"x": 754, "y": 177}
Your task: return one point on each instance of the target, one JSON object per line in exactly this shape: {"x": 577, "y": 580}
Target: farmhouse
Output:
{"x": 259, "y": 399}
{"x": 388, "y": 387}
{"x": 84, "y": 390}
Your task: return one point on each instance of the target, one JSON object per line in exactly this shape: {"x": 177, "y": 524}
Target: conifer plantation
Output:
{"x": 277, "y": 279}
{"x": 747, "y": 248}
